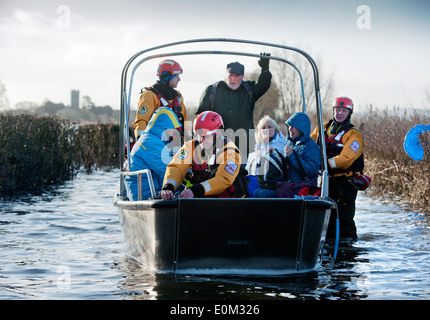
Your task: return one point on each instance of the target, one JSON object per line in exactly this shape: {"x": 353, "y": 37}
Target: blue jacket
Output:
{"x": 305, "y": 147}
{"x": 151, "y": 152}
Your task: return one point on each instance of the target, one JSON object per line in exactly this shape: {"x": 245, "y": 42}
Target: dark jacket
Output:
{"x": 234, "y": 106}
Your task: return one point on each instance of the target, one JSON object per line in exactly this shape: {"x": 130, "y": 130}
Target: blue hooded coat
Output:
{"x": 305, "y": 147}
{"x": 151, "y": 152}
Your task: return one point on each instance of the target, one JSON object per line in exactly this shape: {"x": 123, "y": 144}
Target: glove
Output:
{"x": 264, "y": 62}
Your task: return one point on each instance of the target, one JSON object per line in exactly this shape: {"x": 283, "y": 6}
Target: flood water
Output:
{"x": 68, "y": 244}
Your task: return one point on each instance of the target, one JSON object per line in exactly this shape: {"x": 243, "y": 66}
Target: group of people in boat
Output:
{"x": 212, "y": 164}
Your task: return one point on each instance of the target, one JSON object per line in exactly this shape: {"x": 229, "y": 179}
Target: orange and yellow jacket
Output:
{"x": 344, "y": 150}
{"x": 226, "y": 158}
{"x": 148, "y": 103}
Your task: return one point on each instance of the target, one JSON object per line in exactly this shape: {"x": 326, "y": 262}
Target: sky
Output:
{"x": 378, "y": 54}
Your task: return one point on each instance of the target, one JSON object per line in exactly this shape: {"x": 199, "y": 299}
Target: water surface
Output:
{"x": 68, "y": 244}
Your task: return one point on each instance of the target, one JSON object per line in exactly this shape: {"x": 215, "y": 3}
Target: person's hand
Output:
{"x": 288, "y": 150}
{"x": 264, "y": 62}
{"x": 166, "y": 194}
{"x": 187, "y": 193}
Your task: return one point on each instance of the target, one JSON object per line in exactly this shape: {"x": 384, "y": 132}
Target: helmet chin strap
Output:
{"x": 207, "y": 153}
{"x": 337, "y": 125}
{"x": 217, "y": 142}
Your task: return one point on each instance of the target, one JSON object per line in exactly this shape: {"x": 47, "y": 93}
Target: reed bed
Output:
{"x": 394, "y": 174}
{"x": 98, "y": 146}
{"x": 35, "y": 152}
{"x": 39, "y": 151}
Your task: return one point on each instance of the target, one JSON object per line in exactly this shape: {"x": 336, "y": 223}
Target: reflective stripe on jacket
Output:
{"x": 151, "y": 152}
{"x": 227, "y": 158}
{"x": 345, "y": 148}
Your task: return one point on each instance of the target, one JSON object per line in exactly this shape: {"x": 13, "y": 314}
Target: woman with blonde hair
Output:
{"x": 269, "y": 136}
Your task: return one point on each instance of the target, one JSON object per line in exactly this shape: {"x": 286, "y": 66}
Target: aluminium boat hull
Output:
{"x": 226, "y": 236}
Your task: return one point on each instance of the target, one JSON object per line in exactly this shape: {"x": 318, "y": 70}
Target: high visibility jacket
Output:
{"x": 226, "y": 158}
{"x": 151, "y": 152}
{"x": 344, "y": 149}
{"x": 150, "y": 101}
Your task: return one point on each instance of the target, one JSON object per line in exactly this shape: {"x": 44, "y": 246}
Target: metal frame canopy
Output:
{"x": 126, "y": 95}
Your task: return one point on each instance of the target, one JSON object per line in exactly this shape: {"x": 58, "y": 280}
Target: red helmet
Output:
{"x": 343, "y": 102}
{"x": 207, "y": 123}
{"x": 169, "y": 65}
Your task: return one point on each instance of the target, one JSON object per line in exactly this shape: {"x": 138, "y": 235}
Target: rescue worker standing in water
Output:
{"x": 161, "y": 94}
{"x": 344, "y": 149}
{"x": 210, "y": 165}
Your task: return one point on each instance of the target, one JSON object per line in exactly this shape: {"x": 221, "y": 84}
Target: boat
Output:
{"x": 252, "y": 236}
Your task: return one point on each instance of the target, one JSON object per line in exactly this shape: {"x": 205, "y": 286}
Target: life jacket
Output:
{"x": 334, "y": 147}
{"x": 175, "y": 105}
{"x": 205, "y": 171}
{"x": 271, "y": 169}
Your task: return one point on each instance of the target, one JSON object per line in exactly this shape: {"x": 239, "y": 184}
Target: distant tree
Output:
{"x": 26, "y": 105}
{"x": 49, "y": 107}
{"x": 288, "y": 80}
{"x": 285, "y": 94}
{"x": 268, "y": 104}
{"x": 72, "y": 114}
{"x": 106, "y": 110}
{"x": 427, "y": 94}
{"x": 87, "y": 103}
{"x": 89, "y": 111}
{"x": 4, "y": 101}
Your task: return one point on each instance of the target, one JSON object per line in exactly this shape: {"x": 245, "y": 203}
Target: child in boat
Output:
{"x": 153, "y": 150}
{"x": 210, "y": 165}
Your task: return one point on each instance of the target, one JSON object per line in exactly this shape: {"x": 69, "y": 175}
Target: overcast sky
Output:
{"x": 378, "y": 56}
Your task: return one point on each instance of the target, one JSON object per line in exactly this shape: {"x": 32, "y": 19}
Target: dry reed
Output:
{"x": 39, "y": 151}
{"x": 393, "y": 172}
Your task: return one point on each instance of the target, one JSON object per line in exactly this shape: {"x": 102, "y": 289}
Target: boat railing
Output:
{"x": 126, "y": 94}
{"x": 139, "y": 181}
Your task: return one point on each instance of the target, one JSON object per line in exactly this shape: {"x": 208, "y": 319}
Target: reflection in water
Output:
{"x": 330, "y": 281}
{"x": 386, "y": 262}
